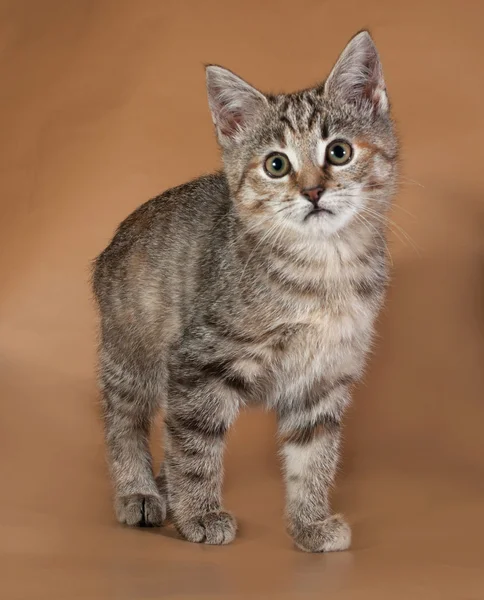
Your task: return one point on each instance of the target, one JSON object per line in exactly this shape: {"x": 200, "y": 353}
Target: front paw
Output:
{"x": 216, "y": 528}
{"x": 330, "y": 535}
{"x": 141, "y": 510}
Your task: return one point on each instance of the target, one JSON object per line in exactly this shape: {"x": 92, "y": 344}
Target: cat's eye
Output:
{"x": 339, "y": 153}
{"x": 277, "y": 165}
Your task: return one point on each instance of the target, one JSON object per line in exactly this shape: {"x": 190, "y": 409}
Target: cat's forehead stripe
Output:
{"x": 300, "y": 112}
{"x": 313, "y": 117}
{"x": 287, "y": 122}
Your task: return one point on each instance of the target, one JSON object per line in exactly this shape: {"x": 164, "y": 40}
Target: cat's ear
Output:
{"x": 233, "y": 102}
{"x": 357, "y": 77}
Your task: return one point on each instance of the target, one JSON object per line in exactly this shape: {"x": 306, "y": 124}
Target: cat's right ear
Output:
{"x": 233, "y": 102}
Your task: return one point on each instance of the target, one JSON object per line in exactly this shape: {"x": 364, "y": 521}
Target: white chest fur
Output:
{"x": 333, "y": 344}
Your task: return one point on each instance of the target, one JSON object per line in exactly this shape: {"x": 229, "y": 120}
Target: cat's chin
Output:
{"x": 323, "y": 223}
{"x": 319, "y": 213}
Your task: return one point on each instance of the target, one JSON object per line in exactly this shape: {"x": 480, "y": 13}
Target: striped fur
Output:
{"x": 225, "y": 291}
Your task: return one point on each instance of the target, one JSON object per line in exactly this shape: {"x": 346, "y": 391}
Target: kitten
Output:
{"x": 260, "y": 283}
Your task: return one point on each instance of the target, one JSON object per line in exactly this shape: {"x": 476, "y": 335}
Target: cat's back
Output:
{"x": 162, "y": 230}
{"x": 142, "y": 275}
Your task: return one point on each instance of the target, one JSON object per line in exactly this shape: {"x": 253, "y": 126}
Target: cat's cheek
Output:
{"x": 382, "y": 169}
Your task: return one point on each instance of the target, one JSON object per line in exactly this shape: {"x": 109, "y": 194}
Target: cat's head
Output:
{"x": 315, "y": 161}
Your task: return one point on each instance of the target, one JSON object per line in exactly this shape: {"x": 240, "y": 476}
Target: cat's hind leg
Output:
{"x": 128, "y": 411}
{"x": 162, "y": 486}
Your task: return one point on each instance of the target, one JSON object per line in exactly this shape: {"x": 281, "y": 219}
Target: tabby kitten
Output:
{"x": 258, "y": 284}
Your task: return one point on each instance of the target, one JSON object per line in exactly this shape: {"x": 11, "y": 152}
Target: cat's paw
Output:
{"x": 212, "y": 528}
{"x": 330, "y": 535}
{"x": 141, "y": 510}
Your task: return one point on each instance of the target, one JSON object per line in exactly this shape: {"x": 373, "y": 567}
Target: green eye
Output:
{"x": 277, "y": 165}
{"x": 339, "y": 153}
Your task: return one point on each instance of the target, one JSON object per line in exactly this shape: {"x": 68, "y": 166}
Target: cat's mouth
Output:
{"x": 318, "y": 212}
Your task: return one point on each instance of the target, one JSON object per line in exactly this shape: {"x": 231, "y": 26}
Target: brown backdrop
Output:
{"x": 102, "y": 105}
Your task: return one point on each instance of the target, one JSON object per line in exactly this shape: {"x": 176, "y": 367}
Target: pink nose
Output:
{"x": 313, "y": 194}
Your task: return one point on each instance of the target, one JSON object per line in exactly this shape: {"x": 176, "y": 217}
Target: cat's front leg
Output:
{"x": 196, "y": 423}
{"x": 310, "y": 430}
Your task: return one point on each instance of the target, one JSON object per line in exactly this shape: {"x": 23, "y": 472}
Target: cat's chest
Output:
{"x": 309, "y": 325}
{"x": 331, "y": 340}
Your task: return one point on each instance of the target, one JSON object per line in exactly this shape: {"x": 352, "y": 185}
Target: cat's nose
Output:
{"x": 313, "y": 194}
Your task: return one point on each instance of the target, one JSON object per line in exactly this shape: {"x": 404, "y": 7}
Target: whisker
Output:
{"x": 384, "y": 219}
{"x": 370, "y": 228}
{"x": 383, "y": 202}
{"x": 395, "y": 205}
{"x": 261, "y": 241}
{"x": 260, "y": 222}
{"x": 409, "y": 180}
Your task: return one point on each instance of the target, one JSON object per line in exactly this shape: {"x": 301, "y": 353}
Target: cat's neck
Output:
{"x": 327, "y": 258}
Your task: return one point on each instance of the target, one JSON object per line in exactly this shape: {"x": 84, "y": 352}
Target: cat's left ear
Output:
{"x": 357, "y": 77}
{"x": 233, "y": 102}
